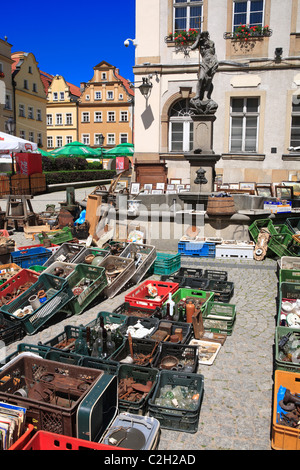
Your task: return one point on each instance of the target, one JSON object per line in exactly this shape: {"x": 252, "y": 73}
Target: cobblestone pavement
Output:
{"x": 236, "y": 412}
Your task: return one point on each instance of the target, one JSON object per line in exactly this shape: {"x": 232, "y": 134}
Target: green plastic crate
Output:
{"x": 280, "y": 363}
{"x": 287, "y": 291}
{"x": 37, "y": 268}
{"x": 289, "y": 275}
{"x": 202, "y": 296}
{"x": 293, "y": 224}
{"x": 257, "y": 225}
{"x": 166, "y": 263}
{"x": 283, "y": 245}
{"x": 59, "y": 237}
{"x": 98, "y": 279}
{"x": 219, "y": 317}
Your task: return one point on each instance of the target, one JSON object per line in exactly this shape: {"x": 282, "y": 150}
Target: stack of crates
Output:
{"x": 166, "y": 263}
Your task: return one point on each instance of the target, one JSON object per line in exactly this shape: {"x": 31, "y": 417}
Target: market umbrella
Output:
{"x": 122, "y": 150}
{"x": 10, "y": 143}
{"x": 75, "y": 149}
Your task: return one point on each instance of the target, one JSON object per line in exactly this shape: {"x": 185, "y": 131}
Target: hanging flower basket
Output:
{"x": 2, "y": 75}
{"x": 182, "y": 38}
{"x": 246, "y": 32}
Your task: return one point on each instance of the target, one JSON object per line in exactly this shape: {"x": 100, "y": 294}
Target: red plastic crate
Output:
{"x": 139, "y": 296}
{"x": 23, "y": 276}
{"x": 44, "y": 440}
{"x": 52, "y": 247}
{"x": 22, "y": 441}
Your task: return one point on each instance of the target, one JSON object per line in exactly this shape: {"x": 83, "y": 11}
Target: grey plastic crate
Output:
{"x": 121, "y": 279}
{"x": 67, "y": 267}
{"x": 63, "y": 251}
{"x": 80, "y": 258}
{"x": 146, "y": 256}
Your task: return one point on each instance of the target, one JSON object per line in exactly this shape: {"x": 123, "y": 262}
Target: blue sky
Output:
{"x": 70, "y": 38}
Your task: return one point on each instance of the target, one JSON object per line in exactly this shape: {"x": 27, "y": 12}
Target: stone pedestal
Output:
{"x": 202, "y": 155}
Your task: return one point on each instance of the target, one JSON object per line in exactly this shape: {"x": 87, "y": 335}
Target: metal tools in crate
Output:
{"x": 143, "y": 255}
{"x": 66, "y": 253}
{"x": 60, "y": 269}
{"x": 176, "y": 357}
{"x": 118, "y": 272}
{"x": 174, "y": 331}
{"x": 128, "y": 310}
{"x": 51, "y": 392}
{"x": 86, "y": 282}
{"x": 176, "y": 400}
{"x": 287, "y": 342}
{"x": 197, "y": 297}
{"x": 141, "y": 352}
{"x": 151, "y": 294}
{"x": 39, "y": 303}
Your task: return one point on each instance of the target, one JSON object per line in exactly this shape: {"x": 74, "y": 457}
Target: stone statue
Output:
{"x": 202, "y": 102}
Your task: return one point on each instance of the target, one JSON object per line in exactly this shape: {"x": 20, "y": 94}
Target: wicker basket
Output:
{"x": 220, "y": 206}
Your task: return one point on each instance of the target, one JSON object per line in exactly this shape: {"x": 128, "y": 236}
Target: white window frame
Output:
{"x": 187, "y": 4}
{"x": 22, "y": 110}
{"x": 99, "y": 93}
{"x": 244, "y": 114}
{"x": 69, "y": 139}
{"x": 59, "y": 141}
{"x": 55, "y": 96}
{"x": 49, "y": 141}
{"x": 111, "y": 139}
{"x": 30, "y": 112}
{"x": 31, "y": 136}
{"x": 85, "y": 116}
{"x": 49, "y": 120}
{"x": 39, "y": 139}
{"x": 107, "y": 95}
{"x": 8, "y": 101}
{"x": 111, "y": 116}
{"x": 248, "y": 12}
{"x": 38, "y": 114}
{"x": 294, "y": 114}
{"x": 69, "y": 119}
{"x": 58, "y": 119}
{"x": 85, "y": 139}
{"x": 22, "y": 134}
{"x": 61, "y": 96}
{"x": 123, "y": 116}
{"x": 98, "y": 134}
{"x": 97, "y": 118}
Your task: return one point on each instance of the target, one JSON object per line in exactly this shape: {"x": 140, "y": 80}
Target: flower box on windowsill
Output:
{"x": 245, "y": 33}
{"x": 2, "y": 75}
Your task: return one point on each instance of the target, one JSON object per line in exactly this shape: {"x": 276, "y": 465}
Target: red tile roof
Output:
{"x": 125, "y": 82}
{"x": 47, "y": 80}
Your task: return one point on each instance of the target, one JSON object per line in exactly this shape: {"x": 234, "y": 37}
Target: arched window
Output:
{"x": 180, "y": 127}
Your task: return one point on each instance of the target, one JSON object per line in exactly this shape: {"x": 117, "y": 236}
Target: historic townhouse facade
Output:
{"x": 6, "y": 87}
{"x": 105, "y": 108}
{"x": 30, "y": 98}
{"x": 62, "y": 121}
{"x": 256, "y": 86}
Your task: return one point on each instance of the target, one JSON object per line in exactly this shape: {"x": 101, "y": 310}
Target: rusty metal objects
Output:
{"x": 131, "y": 390}
{"x": 15, "y": 293}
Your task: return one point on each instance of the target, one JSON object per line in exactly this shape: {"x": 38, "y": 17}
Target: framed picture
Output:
{"x": 160, "y": 186}
{"x": 234, "y": 186}
{"x": 264, "y": 191}
{"x": 121, "y": 185}
{"x": 284, "y": 192}
{"x": 134, "y": 188}
{"x": 157, "y": 191}
{"x": 187, "y": 187}
{"x": 175, "y": 181}
{"x": 295, "y": 185}
{"x": 148, "y": 187}
{"x": 171, "y": 191}
{"x": 244, "y": 185}
{"x": 224, "y": 186}
{"x": 170, "y": 186}
{"x": 179, "y": 187}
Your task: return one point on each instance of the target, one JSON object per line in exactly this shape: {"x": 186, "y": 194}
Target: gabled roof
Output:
{"x": 47, "y": 80}
{"x": 125, "y": 82}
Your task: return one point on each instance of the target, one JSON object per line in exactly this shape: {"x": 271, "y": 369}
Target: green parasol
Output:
{"x": 75, "y": 149}
{"x": 122, "y": 150}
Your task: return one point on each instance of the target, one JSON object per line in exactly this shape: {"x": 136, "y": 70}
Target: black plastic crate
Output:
{"x": 128, "y": 310}
{"x": 183, "y": 273}
{"x": 215, "y": 275}
{"x": 223, "y": 290}
{"x": 176, "y": 357}
{"x": 141, "y": 348}
{"x": 108, "y": 367}
{"x": 10, "y": 331}
{"x": 187, "y": 329}
{"x": 148, "y": 323}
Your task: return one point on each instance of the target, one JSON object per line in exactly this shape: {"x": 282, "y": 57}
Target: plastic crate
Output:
{"x": 219, "y": 317}
{"x": 57, "y": 238}
{"x": 284, "y": 437}
{"x": 38, "y": 268}
{"x": 187, "y": 329}
{"x": 140, "y": 347}
{"x": 10, "y": 331}
{"x": 148, "y": 323}
{"x": 16, "y": 284}
{"x": 56, "y": 267}
{"x": 97, "y": 283}
{"x": 146, "y": 256}
{"x": 69, "y": 385}
{"x": 289, "y": 275}
{"x": 166, "y": 263}
{"x": 127, "y": 268}
{"x": 223, "y": 290}
{"x": 44, "y": 440}
{"x": 215, "y": 275}
{"x": 240, "y": 250}
{"x": 280, "y": 362}
{"x": 126, "y": 309}
{"x": 65, "y": 357}
{"x": 66, "y": 253}
{"x": 289, "y": 290}
{"x": 106, "y": 366}
{"x": 140, "y": 375}
{"x": 99, "y": 252}
{"x": 139, "y": 297}
{"x": 293, "y": 223}
{"x": 24, "y": 438}
{"x": 58, "y": 294}
{"x": 259, "y": 224}
{"x": 284, "y": 245}
{"x": 31, "y": 257}
{"x": 202, "y": 250}
{"x": 289, "y": 262}
{"x": 177, "y": 419}
{"x": 186, "y": 355}
{"x": 7, "y": 271}
{"x": 202, "y": 297}
{"x": 53, "y": 248}
{"x": 24, "y": 350}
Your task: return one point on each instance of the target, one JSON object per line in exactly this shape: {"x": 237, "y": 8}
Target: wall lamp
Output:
{"x": 145, "y": 87}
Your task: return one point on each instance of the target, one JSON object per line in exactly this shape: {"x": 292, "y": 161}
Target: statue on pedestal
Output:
{"x": 202, "y": 102}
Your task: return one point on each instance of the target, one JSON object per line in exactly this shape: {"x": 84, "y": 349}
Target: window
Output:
{"x": 295, "y": 129}
{"x": 49, "y": 120}
{"x": 98, "y": 95}
{"x": 110, "y": 95}
{"x": 249, "y": 12}
{"x": 103, "y": 75}
{"x": 61, "y": 96}
{"x": 30, "y": 112}
{"x": 69, "y": 119}
{"x": 38, "y": 115}
{"x": 39, "y": 139}
{"x": 123, "y": 138}
{"x": 29, "y": 69}
{"x": 124, "y": 116}
{"x": 34, "y": 87}
{"x": 98, "y": 139}
{"x": 1, "y": 67}
{"x": 69, "y": 139}
{"x": 85, "y": 117}
{"x": 21, "y": 110}
{"x": 59, "y": 120}
{"x": 180, "y": 127}
{"x": 111, "y": 116}
{"x": 111, "y": 139}
{"x": 98, "y": 116}
{"x": 50, "y": 142}
{"x": 25, "y": 84}
{"x": 187, "y": 14}
{"x": 244, "y": 124}
{"x": 87, "y": 97}
{"x": 121, "y": 96}
{"x": 22, "y": 134}
{"x": 59, "y": 141}
{"x": 85, "y": 139}
{"x": 55, "y": 96}
{"x": 31, "y": 136}
{"x": 8, "y": 101}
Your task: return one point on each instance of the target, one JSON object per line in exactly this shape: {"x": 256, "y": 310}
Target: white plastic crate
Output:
{"x": 289, "y": 262}
{"x": 235, "y": 250}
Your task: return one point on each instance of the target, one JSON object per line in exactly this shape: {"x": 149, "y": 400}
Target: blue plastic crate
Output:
{"x": 201, "y": 249}
{"x": 31, "y": 256}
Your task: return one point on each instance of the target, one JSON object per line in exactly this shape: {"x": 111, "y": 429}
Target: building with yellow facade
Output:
{"x": 105, "y": 108}
{"x": 30, "y": 98}
{"x": 6, "y": 88}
